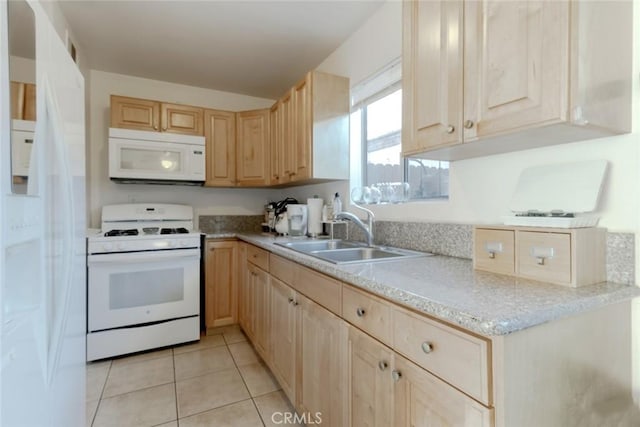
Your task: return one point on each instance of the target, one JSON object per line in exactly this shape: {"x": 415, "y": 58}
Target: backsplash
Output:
{"x": 210, "y": 224}
{"x": 445, "y": 239}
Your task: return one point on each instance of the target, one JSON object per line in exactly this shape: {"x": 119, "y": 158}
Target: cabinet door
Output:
{"x": 302, "y": 130}
{"x": 244, "y": 301}
{"x": 220, "y": 136}
{"x": 221, "y": 285}
{"x": 17, "y": 100}
{"x": 422, "y": 400}
{"x": 516, "y": 65}
{"x": 183, "y": 119}
{"x": 259, "y": 289}
{"x": 29, "y": 101}
{"x": 252, "y": 157}
{"x": 133, "y": 113}
{"x": 370, "y": 385}
{"x": 321, "y": 359}
{"x": 432, "y": 75}
{"x": 285, "y": 149}
{"x": 283, "y": 335}
{"x": 275, "y": 132}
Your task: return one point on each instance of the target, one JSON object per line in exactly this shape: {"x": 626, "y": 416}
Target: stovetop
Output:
{"x": 145, "y": 231}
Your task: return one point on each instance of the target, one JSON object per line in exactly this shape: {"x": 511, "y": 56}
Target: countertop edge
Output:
{"x": 484, "y": 326}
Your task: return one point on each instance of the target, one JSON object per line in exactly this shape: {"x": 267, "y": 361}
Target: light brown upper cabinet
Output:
{"x": 253, "y": 158}
{"x": 23, "y": 101}
{"x": 220, "y": 137}
{"x": 154, "y": 116}
{"x": 485, "y": 77}
{"x": 313, "y": 136}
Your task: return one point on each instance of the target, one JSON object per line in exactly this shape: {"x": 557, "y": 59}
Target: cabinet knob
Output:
{"x": 155, "y": 127}
{"x": 492, "y": 255}
{"x": 164, "y": 129}
{"x": 540, "y": 260}
{"x": 451, "y": 129}
{"x": 360, "y": 312}
{"x": 290, "y": 300}
{"x": 382, "y": 365}
{"x": 396, "y": 375}
{"x": 295, "y": 303}
{"x": 427, "y": 347}
{"x": 468, "y": 124}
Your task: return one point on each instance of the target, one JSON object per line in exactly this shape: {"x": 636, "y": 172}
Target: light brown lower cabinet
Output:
{"x": 370, "y": 386}
{"x": 221, "y": 304}
{"x": 258, "y": 293}
{"x": 321, "y": 373}
{"x": 284, "y": 320}
{"x": 429, "y": 373}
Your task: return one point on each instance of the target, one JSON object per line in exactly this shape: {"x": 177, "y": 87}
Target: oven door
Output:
{"x": 133, "y": 288}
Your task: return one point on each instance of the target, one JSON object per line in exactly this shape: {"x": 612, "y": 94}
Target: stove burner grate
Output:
{"x": 180, "y": 230}
{"x": 129, "y": 232}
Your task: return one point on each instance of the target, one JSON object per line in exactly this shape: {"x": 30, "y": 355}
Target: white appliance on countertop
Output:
{"x": 137, "y": 156}
{"x": 143, "y": 280}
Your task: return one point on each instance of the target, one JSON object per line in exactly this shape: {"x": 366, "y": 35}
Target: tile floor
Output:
{"x": 219, "y": 381}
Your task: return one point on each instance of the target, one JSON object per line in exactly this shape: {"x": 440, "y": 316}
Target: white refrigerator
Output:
{"x": 42, "y": 245}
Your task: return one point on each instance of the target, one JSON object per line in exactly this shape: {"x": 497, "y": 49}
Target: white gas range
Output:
{"x": 143, "y": 280}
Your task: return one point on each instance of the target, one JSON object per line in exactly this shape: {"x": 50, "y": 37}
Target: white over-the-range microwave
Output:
{"x": 153, "y": 157}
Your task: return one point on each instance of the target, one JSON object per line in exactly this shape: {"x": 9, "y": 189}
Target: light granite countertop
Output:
{"x": 450, "y": 289}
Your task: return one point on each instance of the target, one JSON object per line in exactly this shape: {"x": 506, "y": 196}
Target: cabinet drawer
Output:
{"x": 258, "y": 256}
{"x": 320, "y": 288}
{"x": 544, "y": 256}
{"x": 368, "y": 313}
{"x": 494, "y": 250}
{"x": 458, "y": 358}
{"x": 281, "y": 268}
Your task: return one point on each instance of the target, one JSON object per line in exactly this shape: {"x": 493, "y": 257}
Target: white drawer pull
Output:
{"x": 541, "y": 254}
{"x": 427, "y": 347}
{"x": 493, "y": 248}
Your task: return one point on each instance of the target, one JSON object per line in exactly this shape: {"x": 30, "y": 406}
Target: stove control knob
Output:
{"x": 107, "y": 246}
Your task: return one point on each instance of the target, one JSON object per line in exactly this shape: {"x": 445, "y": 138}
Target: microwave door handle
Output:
{"x": 138, "y": 257}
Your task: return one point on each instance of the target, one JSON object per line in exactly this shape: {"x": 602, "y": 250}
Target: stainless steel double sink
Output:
{"x": 345, "y": 252}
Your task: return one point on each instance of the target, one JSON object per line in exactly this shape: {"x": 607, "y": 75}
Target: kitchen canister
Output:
{"x": 314, "y": 221}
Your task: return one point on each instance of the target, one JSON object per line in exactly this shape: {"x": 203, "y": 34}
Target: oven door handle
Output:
{"x": 145, "y": 256}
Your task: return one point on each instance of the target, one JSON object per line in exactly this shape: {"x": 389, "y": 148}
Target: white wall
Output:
{"x": 102, "y": 191}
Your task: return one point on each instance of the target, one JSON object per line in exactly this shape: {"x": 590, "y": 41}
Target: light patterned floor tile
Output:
{"x": 233, "y": 334}
{"x": 138, "y": 375}
{"x": 241, "y": 414}
{"x": 206, "y": 341}
{"x": 210, "y": 391}
{"x": 273, "y": 407}
{"x": 148, "y": 407}
{"x": 171, "y": 424}
{"x": 243, "y": 353}
{"x": 96, "y": 378}
{"x": 149, "y": 355}
{"x": 258, "y": 378}
{"x": 194, "y": 363}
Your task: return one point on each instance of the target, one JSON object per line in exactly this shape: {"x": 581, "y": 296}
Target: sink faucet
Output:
{"x": 367, "y": 228}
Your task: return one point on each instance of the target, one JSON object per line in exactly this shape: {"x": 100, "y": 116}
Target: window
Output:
{"x": 376, "y": 125}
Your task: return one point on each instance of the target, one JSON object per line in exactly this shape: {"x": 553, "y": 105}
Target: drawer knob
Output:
{"x": 492, "y": 255}
{"x": 451, "y": 129}
{"x": 540, "y": 260}
{"x": 382, "y": 365}
{"x": 427, "y": 347}
{"x": 468, "y": 124}
{"x": 396, "y": 375}
{"x": 360, "y": 312}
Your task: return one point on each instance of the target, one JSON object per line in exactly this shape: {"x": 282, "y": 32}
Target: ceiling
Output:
{"x": 258, "y": 48}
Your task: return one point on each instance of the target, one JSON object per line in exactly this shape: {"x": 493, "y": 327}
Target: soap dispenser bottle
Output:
{"x": 337, "y": 205}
